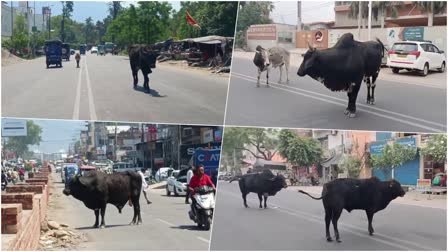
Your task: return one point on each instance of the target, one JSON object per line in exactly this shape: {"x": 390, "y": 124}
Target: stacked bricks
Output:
{"x": 25, "y": 188}
{"x": 26, "y": 199}
{"x": 11, "y": 218}
{"x": 37, "y": 180}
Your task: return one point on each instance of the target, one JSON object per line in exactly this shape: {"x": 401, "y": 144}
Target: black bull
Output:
{"x": 96, "y": 189}
{"x": 371, "y": 195}
{"x": 142, "y": 57}
{"x": 344, "y": 66}
{"x": 264, "y": 184}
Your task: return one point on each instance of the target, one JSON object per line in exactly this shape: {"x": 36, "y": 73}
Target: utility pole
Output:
{"x": 49, "y": 23}
{"x": 299, "y": 15}
{"x": 115, "y": 143}
{"x": 369, "y": 28}
{"x": 180, "y": 144}
{"x": 359, "y": 19}
{"x": 12, "y": 24}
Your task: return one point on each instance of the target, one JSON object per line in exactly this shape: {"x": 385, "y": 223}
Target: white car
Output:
{"x": 177, "y": 183}
{"x": 163, "y": 173}
{"x": 94, "y": 50}
{"x": 416, "y": 56}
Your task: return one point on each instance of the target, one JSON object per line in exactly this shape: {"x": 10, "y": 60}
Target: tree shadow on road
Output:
{"x": 153, "y": 93}
{"x": 189, "y": 227}
{"x": 107, "y": 226}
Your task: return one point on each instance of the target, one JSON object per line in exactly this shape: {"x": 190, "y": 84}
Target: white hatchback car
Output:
{"x": 177, "y": 183}
{"x": 94, "y": 50}
{"x": 416, "y": 56}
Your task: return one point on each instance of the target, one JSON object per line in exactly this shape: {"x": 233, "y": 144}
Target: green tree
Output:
{"x": 431, "y": 8}
{"x": 299, "y": 151}
{"x": 89, "y": 31}
{"x": 352, "y": 165}
{"x": 393, "y": 156}
{"x": 67, "y": 9}
{"x": 260, "y": 143}
{"x": 251, "y": 13}
{"x": 435, "y": 148}
{"x": 20, "y": 39}
{"x": 19, "y": 144}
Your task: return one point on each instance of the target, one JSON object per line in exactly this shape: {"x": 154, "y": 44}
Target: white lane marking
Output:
{"x": 77, "y": 97}
{"x": 166, "y": 222}
{"x": 346, "y": 227}
{"x": 90, "y": 95}
{"x": 202, "y": 239}
{"x": 359, "y": 109}
{"x": 344, "y": 100}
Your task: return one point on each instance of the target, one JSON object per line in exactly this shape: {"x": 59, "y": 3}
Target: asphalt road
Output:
{"x": 295, "y": 222}
{"x": 166, "y": 225}
{"x": 306, "y": 103}
{"x": 102, "y": 90}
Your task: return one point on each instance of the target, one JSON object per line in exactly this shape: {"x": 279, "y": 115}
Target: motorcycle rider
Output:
{"x": 22, "y": 174}
{"x": 4, "y": 180}
{"x": 199, "y": 179}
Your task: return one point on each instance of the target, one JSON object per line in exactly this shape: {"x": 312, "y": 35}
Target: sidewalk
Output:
{"x": 412, "y": 198}
{"x": 433, "y": 79}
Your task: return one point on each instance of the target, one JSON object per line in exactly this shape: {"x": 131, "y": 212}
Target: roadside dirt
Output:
{"x": 10, "y": 59}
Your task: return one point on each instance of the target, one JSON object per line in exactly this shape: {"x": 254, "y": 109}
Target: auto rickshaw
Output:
{"x": 53, "y": 52}
{"x": 82, "y": 49}
{"x": 101, "y": 50}
{"x": 66, "y": 51}
{"x": 86, "y": 168}
{"x": 70, "y": 170}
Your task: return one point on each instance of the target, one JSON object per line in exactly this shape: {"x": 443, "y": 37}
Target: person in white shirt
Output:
{"x": 190, "y": 174}
{"x": 145, "y": 186}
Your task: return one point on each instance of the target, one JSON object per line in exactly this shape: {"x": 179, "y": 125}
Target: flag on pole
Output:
{"x": 191, "y": 21}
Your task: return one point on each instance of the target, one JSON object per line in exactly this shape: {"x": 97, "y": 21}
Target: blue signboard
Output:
{"x": 413, "y": 33}
{"x": 376, "y": 148}
{"x": 208, "y": 158}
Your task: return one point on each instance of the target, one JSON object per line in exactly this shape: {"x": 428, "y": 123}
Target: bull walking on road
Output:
{"x": 264, "y": 184}
{"x": 272, "y": 58}
{"x": 95, "y": 189}
{"x": 344, "y": 66}
{"x": 371, "y": 195}
{"x": 142, "y": 57}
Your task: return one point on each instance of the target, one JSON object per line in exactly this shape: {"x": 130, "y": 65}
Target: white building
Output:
{"x": 270, "y": 35}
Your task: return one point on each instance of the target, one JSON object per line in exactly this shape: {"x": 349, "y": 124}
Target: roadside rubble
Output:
{"x": 58, "y": 236}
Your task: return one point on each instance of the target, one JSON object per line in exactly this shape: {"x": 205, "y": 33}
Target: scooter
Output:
{"x": 203, "y": 206}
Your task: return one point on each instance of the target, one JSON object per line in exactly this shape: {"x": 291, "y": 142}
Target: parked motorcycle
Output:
{"x": 203, "y": 206}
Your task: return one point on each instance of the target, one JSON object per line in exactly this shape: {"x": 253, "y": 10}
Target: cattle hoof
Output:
{"x": 351, "y": 115}
{"x": 338, "y": 240}
{"x": 372, "y": 102}
{"x": 329, "y": 239}
{"x": 346, "y": 112}
{"x": 102, "y": 226}
{"x": 95, "y": 226}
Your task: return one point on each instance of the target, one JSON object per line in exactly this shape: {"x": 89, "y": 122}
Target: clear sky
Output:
{"x": 58, "y": 134}
{"x": 312, "y": 11}
{"x": 98, "y": 10}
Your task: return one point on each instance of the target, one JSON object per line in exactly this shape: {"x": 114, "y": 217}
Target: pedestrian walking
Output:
{"x": 145, "y": 186}
{"x": 190, "y": 174}
{"x": 77, "y": 58}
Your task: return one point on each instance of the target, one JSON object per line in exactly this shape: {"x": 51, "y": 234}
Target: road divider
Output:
{"x": 90, "y": 94}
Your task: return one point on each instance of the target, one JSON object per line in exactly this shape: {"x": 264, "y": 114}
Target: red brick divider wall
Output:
{"x": 28, "y": 212}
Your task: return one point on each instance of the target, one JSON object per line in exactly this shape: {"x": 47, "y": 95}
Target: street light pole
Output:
{"x": 369, "y": 21}
{"x": 12, "y": 23}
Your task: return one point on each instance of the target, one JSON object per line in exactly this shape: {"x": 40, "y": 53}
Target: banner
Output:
{"x": 208, "y": 158}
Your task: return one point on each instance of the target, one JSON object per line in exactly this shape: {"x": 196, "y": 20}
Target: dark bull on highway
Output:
{"x": 371, "y": 195}
{"x": 96, "y": 189}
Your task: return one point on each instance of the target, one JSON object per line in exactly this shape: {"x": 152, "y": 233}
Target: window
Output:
{"x": 285, "y": 37}
{"x": 434, "y": 49}
{"x": 405, "y": 47}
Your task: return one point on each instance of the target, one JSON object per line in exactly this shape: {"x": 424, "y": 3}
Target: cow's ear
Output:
{"x": 87, "y": 180}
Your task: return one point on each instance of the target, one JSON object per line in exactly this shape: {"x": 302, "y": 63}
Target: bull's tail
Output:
{"x": 383, "y": 48}
{"x": 300, "y": 191}
{"x": 234, "y": 178}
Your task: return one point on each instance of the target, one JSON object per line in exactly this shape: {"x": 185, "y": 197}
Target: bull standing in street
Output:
{"x": 371, "y": 195}
{"x": 77, "y": 58}
{"x": 142, "y": 57}
{"x": 97, "y": 189}
{"x": 264, "y": 184}
{"x": 344, "y": 66}
{"x": 272, "y": 58}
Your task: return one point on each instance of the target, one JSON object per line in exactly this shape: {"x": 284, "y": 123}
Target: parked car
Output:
{"x": 416, "y": 56}
{"x": 177, "y": 183}
{"x": 94, "y": 50}
{"x": 122, "y": 167}
{"x": 163, "y": 173}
